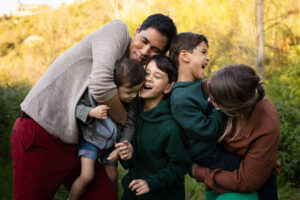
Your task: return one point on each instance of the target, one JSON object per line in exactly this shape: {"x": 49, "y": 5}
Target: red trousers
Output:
{"x": 41, "y": 163}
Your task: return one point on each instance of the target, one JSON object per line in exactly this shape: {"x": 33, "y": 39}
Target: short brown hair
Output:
{"x": 185, "y": 41}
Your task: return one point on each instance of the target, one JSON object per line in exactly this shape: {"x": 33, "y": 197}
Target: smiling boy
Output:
{"x": 200, "y": 121}
{"x": 160, "y": 160}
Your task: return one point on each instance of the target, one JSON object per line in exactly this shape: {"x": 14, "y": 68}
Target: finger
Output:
{"x": 118, "y": 145}
{"x": 109, "y": 157}
{"x": 131, "y": 184}
{"x": 136, "y": 186}
{"x": 141, "y": 191}
{"x": 126, "y": 142}
{"x": 123, "y": 148}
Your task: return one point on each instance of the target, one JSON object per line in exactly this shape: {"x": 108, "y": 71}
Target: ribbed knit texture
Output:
{"x": 89, "y": 63}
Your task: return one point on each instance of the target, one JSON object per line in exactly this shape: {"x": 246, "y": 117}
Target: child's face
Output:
{"x": 127, "y": 94}
{"x": 198, "y": 61}
{"x": 156, "y": 83}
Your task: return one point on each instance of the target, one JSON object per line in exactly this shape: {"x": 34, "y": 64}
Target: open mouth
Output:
{"x": 147, "y": 88}
{"x": 204, "y": 66}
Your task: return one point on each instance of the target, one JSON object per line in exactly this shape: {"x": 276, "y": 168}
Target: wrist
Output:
{"x": 198, "y": 172}
{"x": 91, "y": 113}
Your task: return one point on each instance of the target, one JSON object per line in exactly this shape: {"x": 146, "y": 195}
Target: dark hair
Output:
{"x": 185, "y": 41}
{"x": 163, "y": 24}
{"x": 165, "y": 64}
{"x": 235, "y": 89}
{"x": 128, "y": 71}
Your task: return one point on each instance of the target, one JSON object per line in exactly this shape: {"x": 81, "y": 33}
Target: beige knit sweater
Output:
{"x": 89, "y": 63}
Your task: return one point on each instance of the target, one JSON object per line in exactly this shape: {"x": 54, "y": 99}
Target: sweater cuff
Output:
{"x": 199, "y": 173}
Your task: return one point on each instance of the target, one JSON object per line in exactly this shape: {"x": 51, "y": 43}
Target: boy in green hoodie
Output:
{"x": 200, "y": 121}
{"x": 158, "y": 159}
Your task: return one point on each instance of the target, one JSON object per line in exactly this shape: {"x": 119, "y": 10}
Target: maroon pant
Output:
{"x": 41, "y": 163}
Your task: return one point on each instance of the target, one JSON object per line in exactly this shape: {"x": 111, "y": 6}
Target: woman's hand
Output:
{"x": 140, "y": 186}
{"x": 198, "y": 172}
{"x": 125, "y": 150}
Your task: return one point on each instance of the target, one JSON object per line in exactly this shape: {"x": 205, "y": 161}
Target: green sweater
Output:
{"x": 160, "y": 157}
{"x": 200, "y": 121}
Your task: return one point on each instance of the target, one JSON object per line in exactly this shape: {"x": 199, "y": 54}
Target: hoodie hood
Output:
{"x": 160, "y": 113}
{"x": 185, "y": 84}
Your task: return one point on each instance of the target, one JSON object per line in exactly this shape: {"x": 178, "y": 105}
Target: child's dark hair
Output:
{"x": 165, "y": 64}
{"x": 163, "y": 24}
{"x": 185, "y": 41}
{"x": 128, "y": 71}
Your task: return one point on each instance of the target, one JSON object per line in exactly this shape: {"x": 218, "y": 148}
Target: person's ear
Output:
{"x": 168, "y": 88}
{"x": 137, "y": 30}
{"x": 183, "y": 56}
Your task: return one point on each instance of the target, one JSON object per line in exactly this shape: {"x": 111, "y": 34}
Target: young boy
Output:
{"x": 99, "y": 132}
{"x": 159, "y": 160}
{"x": 200, "y": 121}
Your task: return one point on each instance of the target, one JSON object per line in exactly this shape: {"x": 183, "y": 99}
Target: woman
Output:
{"x": 252, "y": 131}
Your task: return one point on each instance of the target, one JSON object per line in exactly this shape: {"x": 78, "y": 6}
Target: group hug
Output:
{"x": 143, "y": 103}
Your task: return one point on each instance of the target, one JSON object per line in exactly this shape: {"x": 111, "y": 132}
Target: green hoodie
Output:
{"x": 160, "y": 157}
{"x": 200, "y": 121}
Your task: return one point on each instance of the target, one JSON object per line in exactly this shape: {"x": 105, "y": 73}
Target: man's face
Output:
{"x": 147, "y": 43}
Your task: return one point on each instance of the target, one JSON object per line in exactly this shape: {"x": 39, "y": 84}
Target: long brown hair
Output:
{"x": 235, "y": 89}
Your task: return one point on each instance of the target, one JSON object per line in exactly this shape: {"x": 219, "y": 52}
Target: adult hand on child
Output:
{"x": 99, "y": 112}
{"x": 125, "y": 150}
{"x": 113, "y": 156}
{"x": 140, "y": 186}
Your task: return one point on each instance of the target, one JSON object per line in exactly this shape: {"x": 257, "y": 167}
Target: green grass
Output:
{"x": 196, "y": 190}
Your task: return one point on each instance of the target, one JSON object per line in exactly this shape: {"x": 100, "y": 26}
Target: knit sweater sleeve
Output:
{"x": 83, "y": 109}
{"x": 178, "y": 164}
{"x": 254, "y": 170}
{"x": 190, "y": 114}
{"x": 108, "y": 45}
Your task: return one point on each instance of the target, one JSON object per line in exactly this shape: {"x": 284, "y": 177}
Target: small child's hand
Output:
{"x": 140, "y": 186}
{"x": 99, "y": 112}
{"x": 113, "y": 156}
{"x": 125, "y": 150}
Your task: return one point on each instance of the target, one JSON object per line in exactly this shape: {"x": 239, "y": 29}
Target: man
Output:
{"x": 45, "y": 135}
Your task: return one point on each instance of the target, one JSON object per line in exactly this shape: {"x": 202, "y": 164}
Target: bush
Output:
{"x": 289, "y": 144}
{"x": 10, "y": 98}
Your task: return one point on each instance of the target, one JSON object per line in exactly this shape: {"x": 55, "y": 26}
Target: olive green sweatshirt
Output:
{"x": 160, "y": 157}
{"x": 200, "y": 121}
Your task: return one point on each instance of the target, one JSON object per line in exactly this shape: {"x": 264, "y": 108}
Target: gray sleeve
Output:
{"x": 109, "y": 43}
{"x": 83, "y": 109}
{"x": 129, "y": 128}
